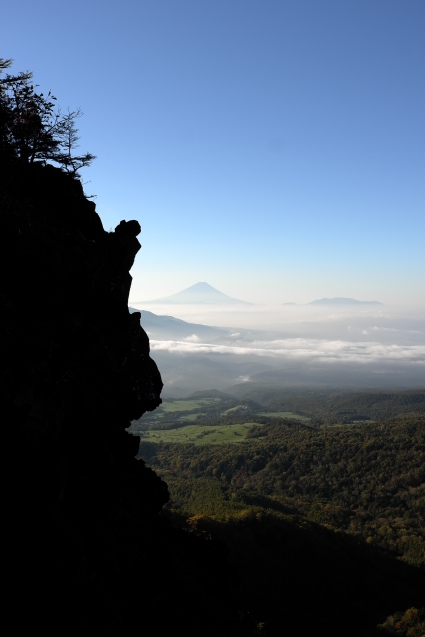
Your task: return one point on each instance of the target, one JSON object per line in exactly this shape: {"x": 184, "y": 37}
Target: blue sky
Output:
{"x": 274, "y": 149}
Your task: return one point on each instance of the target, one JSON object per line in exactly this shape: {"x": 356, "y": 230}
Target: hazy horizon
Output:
{"x": 268, "y": 290}
{"x": 363, "y": 347}
{"x": 244, "y": 313}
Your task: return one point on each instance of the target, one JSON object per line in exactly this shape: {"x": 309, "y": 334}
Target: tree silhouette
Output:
{"x": 68, "y": 142}
{"x": 33, "y": 129}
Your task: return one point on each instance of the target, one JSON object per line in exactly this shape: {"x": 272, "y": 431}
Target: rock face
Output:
{"x": 76, "y": 363}
{"x": 75, "y": 370}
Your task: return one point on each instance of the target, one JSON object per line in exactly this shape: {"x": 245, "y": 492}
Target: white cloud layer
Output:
{"x": 305, "y": 349}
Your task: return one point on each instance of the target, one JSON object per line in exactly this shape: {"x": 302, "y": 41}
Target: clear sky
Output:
{"x": 274, "y": 149}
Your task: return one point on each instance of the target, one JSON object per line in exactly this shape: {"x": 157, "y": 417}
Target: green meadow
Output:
{"x": 232, "y": 409}
{"x": 187, "y": 405}
{"x": 174, "y": 407}
{"x": 200, "y": 435}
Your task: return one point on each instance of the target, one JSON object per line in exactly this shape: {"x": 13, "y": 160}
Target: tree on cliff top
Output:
{"x": 32, "y": 128}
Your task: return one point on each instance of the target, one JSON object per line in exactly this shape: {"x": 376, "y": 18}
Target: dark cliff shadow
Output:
{"x": 304, "y": 579}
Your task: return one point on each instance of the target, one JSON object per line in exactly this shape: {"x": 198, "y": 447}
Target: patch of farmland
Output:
{"x": 200, "y": 435}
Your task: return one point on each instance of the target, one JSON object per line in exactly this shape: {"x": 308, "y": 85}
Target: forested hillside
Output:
{"x": 333, "y": 515}
{"x": 366, "y": 479}
{"x": 331, "y": 407}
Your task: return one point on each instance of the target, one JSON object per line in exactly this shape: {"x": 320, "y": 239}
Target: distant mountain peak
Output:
{"x": 201, "y": 293}
{"x": 339, "y": 300}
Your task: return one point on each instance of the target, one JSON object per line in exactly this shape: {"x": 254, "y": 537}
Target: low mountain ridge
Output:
{"x": 340, "y": 300}
{"x": 164, "y": 327}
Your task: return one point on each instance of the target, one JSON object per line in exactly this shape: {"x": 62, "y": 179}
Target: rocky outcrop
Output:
{"x": 76, "y": 365}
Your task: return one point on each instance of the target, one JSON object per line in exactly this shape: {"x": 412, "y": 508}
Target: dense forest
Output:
{"x": 367, "y": 479}
{"x": 337, "y": 512}
{"x": 329, "y": 407}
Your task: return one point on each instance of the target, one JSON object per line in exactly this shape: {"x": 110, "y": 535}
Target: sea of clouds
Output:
{"x": 302, "y": 348}
{"x": 355, "y": 347}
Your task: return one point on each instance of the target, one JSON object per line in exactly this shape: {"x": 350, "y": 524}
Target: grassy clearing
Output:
{"x": 233, "y": 409}
{"x": 283, "y": 414}
{"x": 200, "y": 435}
{"x": 173, "y": 408}
{"x": 187, "y": 405}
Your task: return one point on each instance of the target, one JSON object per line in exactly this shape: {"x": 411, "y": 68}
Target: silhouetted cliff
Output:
{"x": 77, "y": 366}
{"x": 88, "y": 547}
